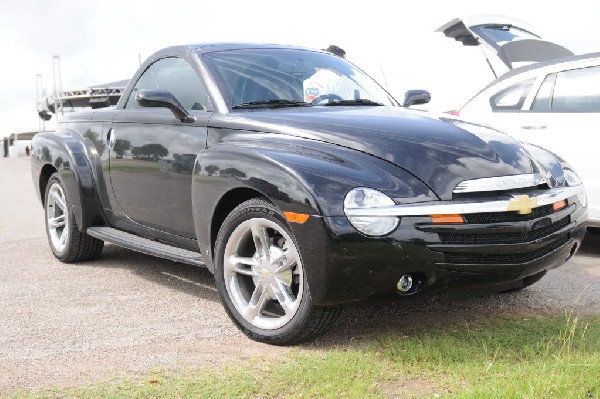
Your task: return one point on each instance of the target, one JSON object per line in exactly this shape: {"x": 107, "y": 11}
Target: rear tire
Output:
{"x": 261, "y": 279}
{"x": 68, "y": 244}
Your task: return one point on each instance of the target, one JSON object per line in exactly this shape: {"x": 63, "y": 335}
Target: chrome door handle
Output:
{"x": 111, "y": 137}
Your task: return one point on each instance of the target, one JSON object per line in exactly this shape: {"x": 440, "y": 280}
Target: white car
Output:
{"x": 554, "y": 104}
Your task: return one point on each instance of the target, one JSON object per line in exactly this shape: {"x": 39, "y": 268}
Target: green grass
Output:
{"x": 508, "y": 357}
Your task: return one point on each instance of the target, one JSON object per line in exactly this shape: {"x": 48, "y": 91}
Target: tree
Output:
{"x": 58, "y": 163}
{"x": 211, "y": 170}
{"x": 94, "y": 137}
{"x": 232, "y": 172}
{"x": 153, "y": 151}
{"x": 120, "y": 147}
{"x": 46, "y": 154}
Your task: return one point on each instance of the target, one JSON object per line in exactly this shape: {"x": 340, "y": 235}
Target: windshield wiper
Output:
{"x": 358, "y": 101}
{"x": 271, "y": 104}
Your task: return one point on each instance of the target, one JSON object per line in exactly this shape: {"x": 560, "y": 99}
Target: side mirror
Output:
{"x": 163, "y": 99}
{"x": 416, "y": 97}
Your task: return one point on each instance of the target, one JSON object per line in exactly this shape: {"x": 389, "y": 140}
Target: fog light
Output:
{"x": 405, "y": 283}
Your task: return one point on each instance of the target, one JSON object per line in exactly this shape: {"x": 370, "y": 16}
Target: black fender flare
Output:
{"x": 216, "y": 177}
{"x": 66, "y": 152}
{"x": 312, "y": 179}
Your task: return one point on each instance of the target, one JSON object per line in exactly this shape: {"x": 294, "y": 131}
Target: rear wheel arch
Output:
{"x": 62, "y": 153}
{"x": 45, "y": 174}
{"x": 67, "y": 242}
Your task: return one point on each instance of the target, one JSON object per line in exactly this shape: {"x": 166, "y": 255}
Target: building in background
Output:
{"x": 97, "y": 96}
{"x": 15, "y": 144}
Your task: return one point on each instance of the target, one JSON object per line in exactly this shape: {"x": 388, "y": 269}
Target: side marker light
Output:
{"x": 447, "y": 219}
{"x": 558, "y": 205}
{"x": 296, "y": 217}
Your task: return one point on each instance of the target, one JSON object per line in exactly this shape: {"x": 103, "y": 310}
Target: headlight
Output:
{"x": 571, "y": 177}
{"x": 362, "y": 197}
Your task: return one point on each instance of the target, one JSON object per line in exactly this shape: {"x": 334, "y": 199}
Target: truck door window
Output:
{"x": 176, "y": 76}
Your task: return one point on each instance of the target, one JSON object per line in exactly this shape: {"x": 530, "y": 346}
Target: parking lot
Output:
{"x": 127, "y": 312}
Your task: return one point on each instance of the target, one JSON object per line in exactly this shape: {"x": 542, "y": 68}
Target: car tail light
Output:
{"x": 454, "y": 112}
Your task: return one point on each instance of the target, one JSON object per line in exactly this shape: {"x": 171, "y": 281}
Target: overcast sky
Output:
{"x": 394, "y": 41}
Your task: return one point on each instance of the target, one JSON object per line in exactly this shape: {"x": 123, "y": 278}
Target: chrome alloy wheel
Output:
{"x": 57, "y": 217}
{"x": 263, "y": 273}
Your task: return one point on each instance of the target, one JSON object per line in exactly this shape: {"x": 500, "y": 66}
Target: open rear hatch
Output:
{"x": 506, "y": 42}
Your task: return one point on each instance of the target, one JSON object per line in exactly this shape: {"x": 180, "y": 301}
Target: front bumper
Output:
{"x": 508, "y": 202}
{"x": 496, "y": 246}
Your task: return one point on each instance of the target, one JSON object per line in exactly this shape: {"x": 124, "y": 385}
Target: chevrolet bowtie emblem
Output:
{"x": 522, "y": 204}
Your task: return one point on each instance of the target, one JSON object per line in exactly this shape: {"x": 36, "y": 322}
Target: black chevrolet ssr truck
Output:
{"x": 302, "y": 185}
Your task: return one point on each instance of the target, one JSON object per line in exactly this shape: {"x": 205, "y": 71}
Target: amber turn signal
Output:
{"x": 296, "y": 217}
{"x": 447, "y": 219}
{"x": 558, "y": 205}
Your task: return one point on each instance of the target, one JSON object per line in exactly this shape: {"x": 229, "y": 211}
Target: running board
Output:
{"x": 146, "y": 246}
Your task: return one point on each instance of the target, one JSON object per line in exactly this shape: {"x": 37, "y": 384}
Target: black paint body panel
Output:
{"x": 303, "y": 160}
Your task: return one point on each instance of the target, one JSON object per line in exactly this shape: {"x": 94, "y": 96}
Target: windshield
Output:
{"x": 268, "y": 76}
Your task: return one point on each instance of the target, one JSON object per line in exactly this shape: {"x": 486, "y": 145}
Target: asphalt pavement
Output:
{"x": 64, "y": 324}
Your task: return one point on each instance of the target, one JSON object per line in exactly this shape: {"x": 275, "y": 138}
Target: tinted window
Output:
{"x": 577, "y": 90}
{"x": 176, "y": 76}
{"x": 511, "y": 98}
{"x": 543, "y": 98}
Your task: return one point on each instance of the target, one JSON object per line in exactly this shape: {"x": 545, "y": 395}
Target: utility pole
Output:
{"x": 39, "y": 96}
{"x": 57, "y": 89}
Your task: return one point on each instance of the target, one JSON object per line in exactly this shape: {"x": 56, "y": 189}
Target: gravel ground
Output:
{"x": 127, "y": 313}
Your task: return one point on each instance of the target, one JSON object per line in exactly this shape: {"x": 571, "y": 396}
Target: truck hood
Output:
{"x": 441, "y": 151}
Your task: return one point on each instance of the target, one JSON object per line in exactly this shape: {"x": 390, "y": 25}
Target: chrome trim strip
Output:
{"x": 463, "y": 207}
{"x": 500, "y": 183}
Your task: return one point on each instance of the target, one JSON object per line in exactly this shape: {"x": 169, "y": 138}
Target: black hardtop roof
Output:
{"x": 202, "y": 48}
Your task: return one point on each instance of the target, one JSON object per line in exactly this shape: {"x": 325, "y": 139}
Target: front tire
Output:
{"x": 261, "y": 278}
{"x": 68, "y": 244}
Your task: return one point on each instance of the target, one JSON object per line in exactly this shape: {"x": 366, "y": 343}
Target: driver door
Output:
{"x": 153, "y": 153}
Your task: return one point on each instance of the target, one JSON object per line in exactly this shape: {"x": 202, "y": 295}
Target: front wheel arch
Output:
{"x": 268, "y": 275}
{"x": 224, "y": 207}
